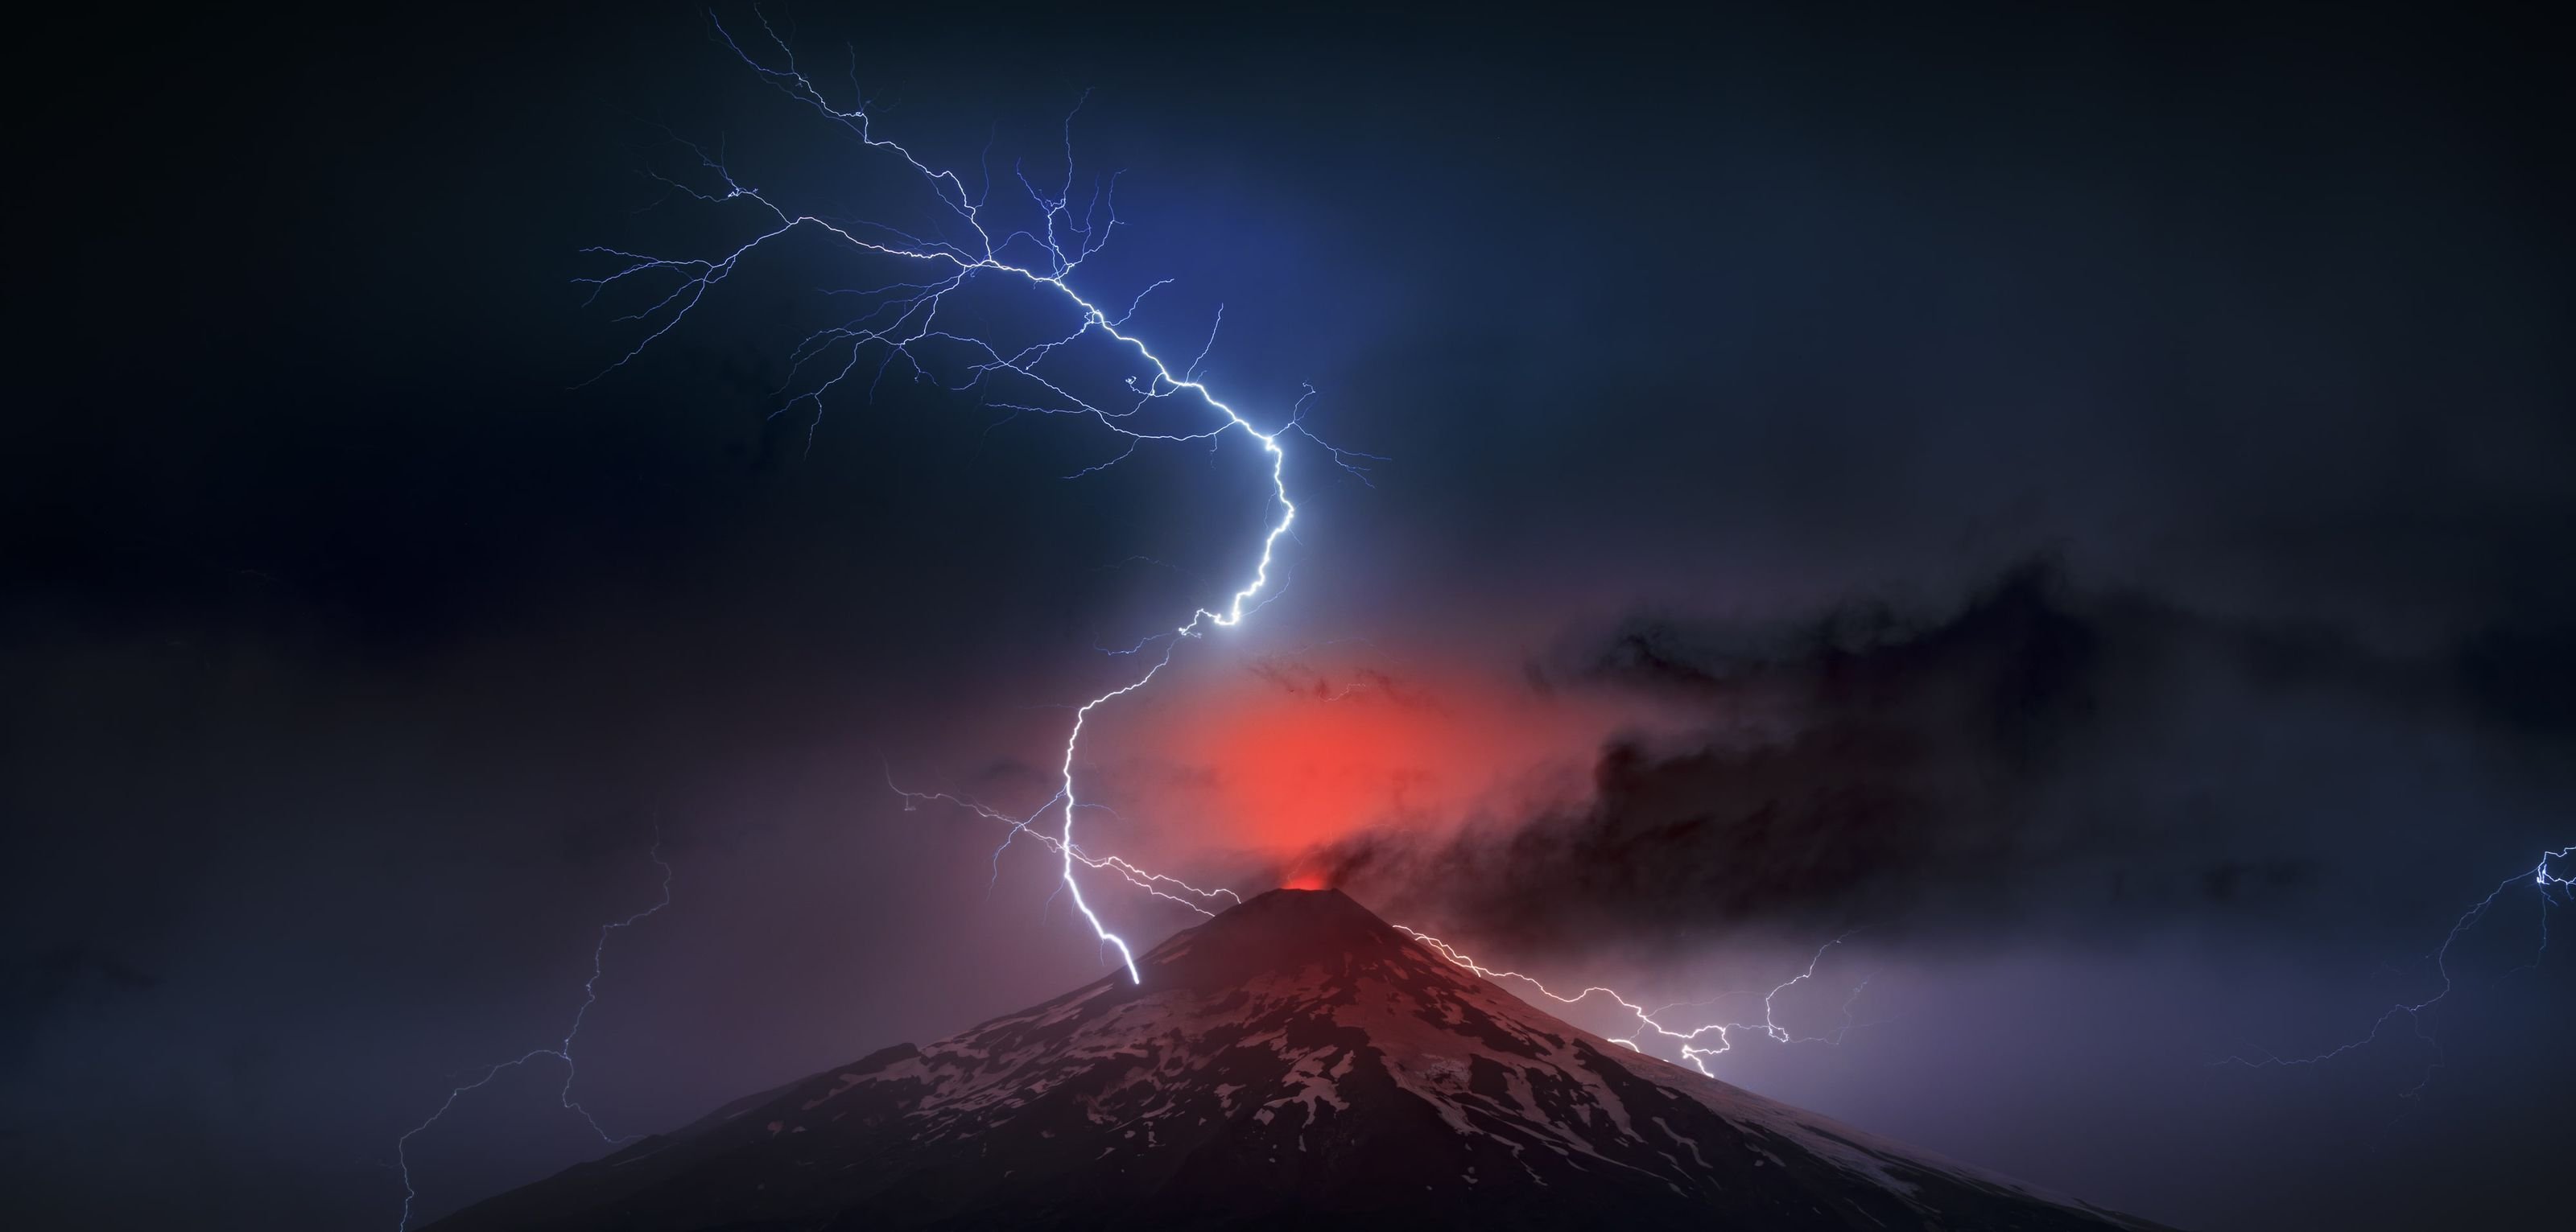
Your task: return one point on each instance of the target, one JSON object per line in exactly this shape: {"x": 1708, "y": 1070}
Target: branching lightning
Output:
{"x": 1157, "y": 884}
{"x": 1647, "y": 1020}
{"x": 2554, "y": 890}
{"x": 562, "y": 1051}
{"x": 900, "y": 321}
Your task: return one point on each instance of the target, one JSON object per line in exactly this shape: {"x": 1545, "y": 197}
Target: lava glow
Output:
{"x": 1284, "y": 762}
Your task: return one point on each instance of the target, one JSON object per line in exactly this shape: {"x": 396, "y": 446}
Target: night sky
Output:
{"x": 2078, "y": 505}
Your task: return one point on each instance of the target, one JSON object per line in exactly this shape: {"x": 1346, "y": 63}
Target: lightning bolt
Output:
{"x": 2554, "y": 890}
{"x": 901, "y": 322}
{"x": 562, "y": 1051}
{"x": 1688, "y": 1039}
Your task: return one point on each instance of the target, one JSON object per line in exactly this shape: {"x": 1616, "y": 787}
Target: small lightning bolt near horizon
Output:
{"x": 562, "y": 1051}
{"x": 2555, "y": 890}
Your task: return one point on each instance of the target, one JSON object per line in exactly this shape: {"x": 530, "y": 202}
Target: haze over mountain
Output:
{"x": 1292, "y": 1061}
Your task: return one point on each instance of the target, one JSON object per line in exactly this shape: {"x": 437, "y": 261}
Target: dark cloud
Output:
{"x": 1960, "y": 774}
{"x": 1295, "y": 675}
{"x": 38, "y": 985}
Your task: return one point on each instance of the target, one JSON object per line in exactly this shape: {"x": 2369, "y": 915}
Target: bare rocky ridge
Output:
{"x": 1294, "y": 1061}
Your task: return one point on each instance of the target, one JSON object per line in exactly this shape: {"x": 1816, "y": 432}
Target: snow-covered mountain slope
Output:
{"x": 1292, "y": 1061}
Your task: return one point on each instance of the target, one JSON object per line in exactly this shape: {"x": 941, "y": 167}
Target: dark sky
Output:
{"x": 2082, "y": 500}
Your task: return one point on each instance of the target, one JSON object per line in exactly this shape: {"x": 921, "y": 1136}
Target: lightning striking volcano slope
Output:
{"x": 901, "y": 322}
{"x": 1648, "y": 1020}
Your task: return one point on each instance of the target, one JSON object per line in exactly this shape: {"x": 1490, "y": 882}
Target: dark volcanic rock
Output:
{"x": 1294, "y": 1061}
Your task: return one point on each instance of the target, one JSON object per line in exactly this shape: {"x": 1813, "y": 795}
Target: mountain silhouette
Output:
{"x": 1294, "y": 1062}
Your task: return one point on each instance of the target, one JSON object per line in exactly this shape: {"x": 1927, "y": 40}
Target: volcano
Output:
{"x": 1294, "y": 1061}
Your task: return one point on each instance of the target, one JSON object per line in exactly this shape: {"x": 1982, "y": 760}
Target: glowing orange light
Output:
{"x": 1285, "y": 772}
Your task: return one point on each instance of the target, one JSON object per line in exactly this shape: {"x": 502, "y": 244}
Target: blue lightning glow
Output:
{"x": 901, "y": 321}
{"x": 2554, "y": 891}
{"x": 560, "y": 1052}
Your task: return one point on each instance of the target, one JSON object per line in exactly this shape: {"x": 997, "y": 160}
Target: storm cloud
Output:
{"x": 1963, "y": 775}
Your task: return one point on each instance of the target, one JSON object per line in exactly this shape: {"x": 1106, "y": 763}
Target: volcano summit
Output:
{"x": 1293, "y": 1061}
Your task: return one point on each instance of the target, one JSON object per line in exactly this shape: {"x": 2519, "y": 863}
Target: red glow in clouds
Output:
{"x": 1284, "y": 766}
